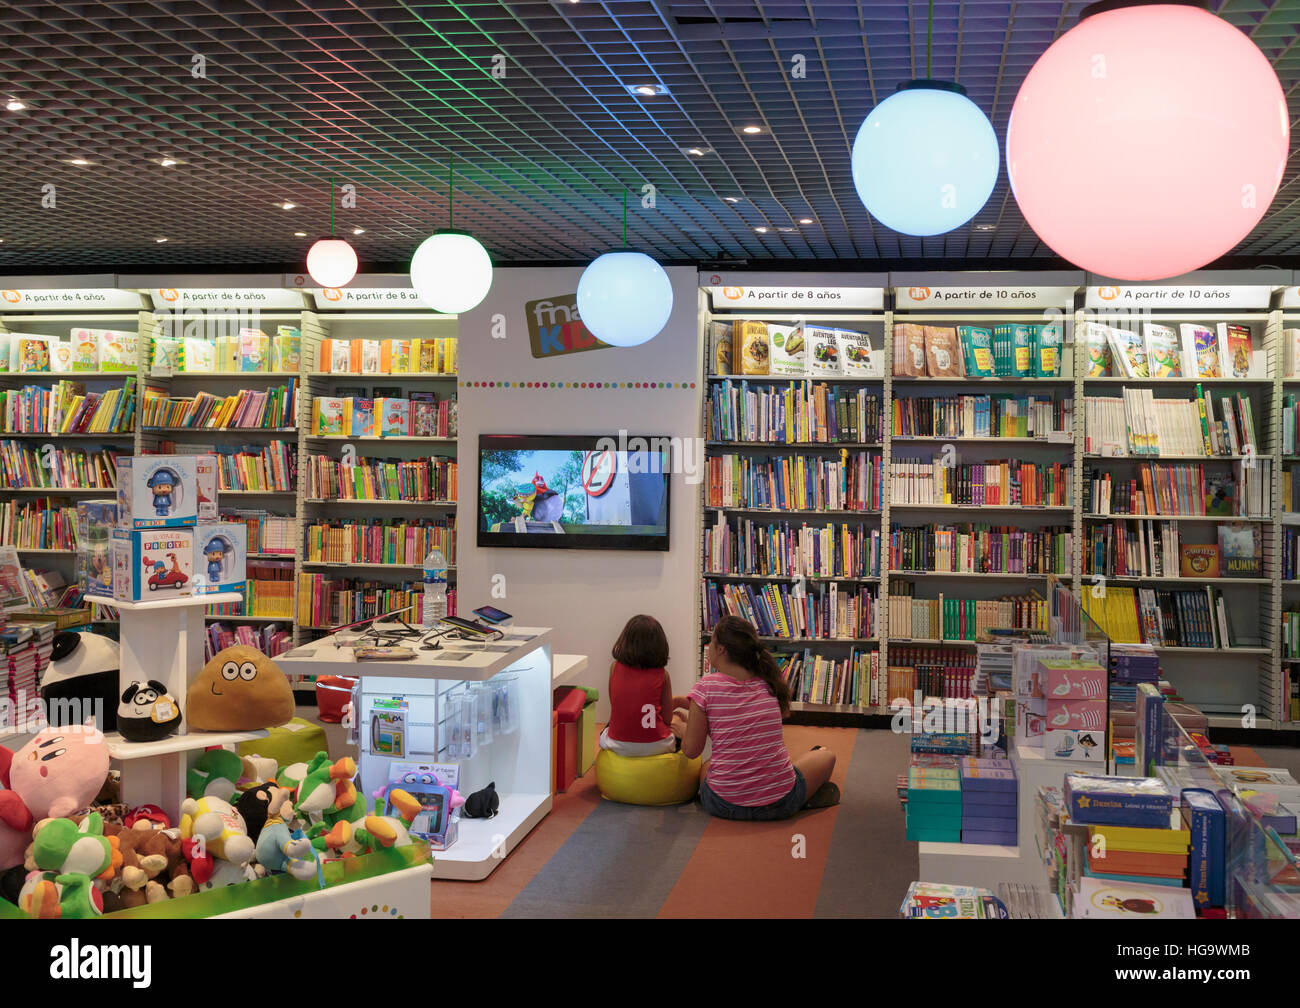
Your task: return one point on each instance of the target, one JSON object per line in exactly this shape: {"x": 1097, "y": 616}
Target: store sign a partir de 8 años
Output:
{"x": 555, "y": 328}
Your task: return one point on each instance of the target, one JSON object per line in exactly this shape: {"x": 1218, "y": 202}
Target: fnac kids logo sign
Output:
{"x": 733, "y": 293}
{"x": 918, "y": 293}
{"x": 13, "y": 297}
{"x": 1108, "y": 293}
{"x": 169, "y": 294}
{"x": 332, "y": 294}
{"x": 556, "y": 329}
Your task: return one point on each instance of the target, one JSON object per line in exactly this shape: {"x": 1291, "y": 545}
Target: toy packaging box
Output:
{"x": 220, "y": 560}
{"x": 431, "y": 785}
{"x": 157, "y": 491}
{"x": 153, "y": 564}
{"x": 205, "y": 473}
{"x": 96, "y": 523}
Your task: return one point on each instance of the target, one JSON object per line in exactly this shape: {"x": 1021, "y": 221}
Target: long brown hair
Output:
{"x": 740, "y": 642}
{"x": 642, "y": 644}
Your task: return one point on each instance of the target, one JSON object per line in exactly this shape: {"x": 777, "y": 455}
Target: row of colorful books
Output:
{"x": 797, "y": 413}
{"x": 67, "y": 408}
{"x": 1191, "y": 618}
{"x": 1290, "y": 553}
{"x": 819, "y": 679}
{"x": 271, "y": 639}
{"x": 850, "y": 482}
{"x": 997, "y": 482}
{"x": 38, "y": 524}
{"x": 1136, "y": 423}
{"x": 83, "y": 350}
{"x": 1194, "y": 351}
{"x": 327, "y": 602}
{"x": 272, "y": 467}
{"x": 968, "y": 351}
{"x": 267, "y": 533}
{"x": 796, "y": 349}
{"x": 389, "y": 356}
{"x": 22, "y": 465}
{"x": 979, "y": 549}
{"x": 268, "y": 594}
{"x": 247, "y": 408}
{"x": 796, "y": 610}
{"x": 431, "y": 479}
{"x": 1146, "y": 548}
{"x": 786, "y": 549}
{"x": 419, "y": 415}
{"x": 945, "y": 618}
{"x": 1182, "y": 490}
{"x": 379, "y": 543}
{"x": 1043, "y": 417}
{"x": 250, "y": 351}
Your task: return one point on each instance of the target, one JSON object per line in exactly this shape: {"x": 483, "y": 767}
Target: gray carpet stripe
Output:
{"x": 623, "y": 861}
{"x": 870, "y": 863}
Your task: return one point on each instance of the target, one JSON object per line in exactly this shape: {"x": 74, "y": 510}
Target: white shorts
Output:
{"x": 638, "y": 748}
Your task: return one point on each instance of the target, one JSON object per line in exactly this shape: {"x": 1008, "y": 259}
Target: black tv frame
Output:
{"x": 570, "y": 442}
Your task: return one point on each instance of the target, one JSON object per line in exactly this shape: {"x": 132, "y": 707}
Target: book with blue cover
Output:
{"x": 1205, "y": 819}
{"x": 1118, "y": 801}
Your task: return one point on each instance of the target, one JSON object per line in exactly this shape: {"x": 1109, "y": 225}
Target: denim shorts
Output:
{"x": 783, "y": 808}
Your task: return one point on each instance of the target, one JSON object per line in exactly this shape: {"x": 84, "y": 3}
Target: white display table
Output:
{"x": 519, "y": 763}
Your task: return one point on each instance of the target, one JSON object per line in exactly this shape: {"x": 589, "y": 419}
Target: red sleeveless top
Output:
{"x": 634, "y": 694}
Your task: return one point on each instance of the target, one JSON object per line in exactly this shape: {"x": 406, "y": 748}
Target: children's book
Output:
{"x": 327, "y": 415}
{"x": 424, "y": 418}
{"x": 60, "y": 355}
{"x": 253, "y": 350}
{"x": 393, "y": 417}
{"x": 198, "y": 354}
{"x": 1239, "y": 554}
{"x": 1164, "y": 351}
{"x": 1097, "y": 342}
{"x": 361, "y": 418}
{"x": 1198, "y": 561}
{"x": 114, "y": 351}
{"x": 369, "y": 350}
{"x": 1100, "y": 898}
{"x": 1201, "y": 351}
{"x": 1234, "y": 350}
{"x": 1220, "y": 496}
{"x": 1046, "y": 340}
{"x": 29, "y": 354}
{"x": 85, "y": 350}
{"x": 1130, "y": 352}
{"x": 286, "y": 349}
{"x": 1291, "y": 352}
{"x": 941, "y": 352}
{"x": 977, "y": 350}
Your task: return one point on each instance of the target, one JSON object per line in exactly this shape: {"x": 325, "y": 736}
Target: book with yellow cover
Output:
{"x": 1135, "y": 839}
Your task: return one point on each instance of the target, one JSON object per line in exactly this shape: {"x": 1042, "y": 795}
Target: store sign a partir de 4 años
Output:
{"x": 98, "y": 298}
{"x": 556, "y": 329}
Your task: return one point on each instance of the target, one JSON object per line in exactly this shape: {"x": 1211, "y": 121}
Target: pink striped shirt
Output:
{"x": 749, "y": 765}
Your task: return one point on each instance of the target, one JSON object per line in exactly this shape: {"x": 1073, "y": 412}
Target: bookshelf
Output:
{"x": 1254, "y": 676}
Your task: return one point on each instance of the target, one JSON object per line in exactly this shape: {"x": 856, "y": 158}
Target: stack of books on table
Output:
{"x": 933, "y": 802}
{"x": 942, "y": 901}
{"x": 989, "y": 809}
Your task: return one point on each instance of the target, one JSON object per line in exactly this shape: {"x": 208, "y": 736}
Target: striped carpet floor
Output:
{"x": 592, "y": 858}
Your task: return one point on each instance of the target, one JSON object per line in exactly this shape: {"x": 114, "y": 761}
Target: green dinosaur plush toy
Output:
{"x": 68, "y": 858}
{"x": 215, "y": 775}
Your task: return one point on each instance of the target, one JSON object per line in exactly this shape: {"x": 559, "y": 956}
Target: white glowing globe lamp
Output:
{"x": 451, "y": 272}
{"x": 624, "y": 298}
{"x": 332, "y": 262}
{"x": 926, "y": 159}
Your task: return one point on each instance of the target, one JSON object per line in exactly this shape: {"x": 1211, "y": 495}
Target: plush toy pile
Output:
{"x": 67, "y": 850}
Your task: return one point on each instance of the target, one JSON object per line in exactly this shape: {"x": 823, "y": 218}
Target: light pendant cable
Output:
{"x": 332, "y": 262}
{"x": 450, "y": 270}
{"x": 926, "y": 159}
{"x": 624, "y": 298}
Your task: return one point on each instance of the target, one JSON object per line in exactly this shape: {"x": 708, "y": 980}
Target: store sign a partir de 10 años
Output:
{"x": 555, "y": 328}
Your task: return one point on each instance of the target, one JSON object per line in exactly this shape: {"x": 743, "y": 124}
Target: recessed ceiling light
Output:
{"x": 358, "y": 231}
{"x": 80, "y": 162}
{"x": 160, "y": 240}
{"x": 287, "y": 206}
{"x": 732, "y": 199}
{"x": 300, "y": 234}
{"x": 647, "y": 90}
{"x": 986, "y": 227}
{"x": 761, "y": 230}
{"x": 167, "y": 162}
{"x": 15, "y": 105}
{"x": 696, "y": 150}
{"x": 751, "y": 130}
{"x": 785, "y": 229}
{"x": 805, "y": 220}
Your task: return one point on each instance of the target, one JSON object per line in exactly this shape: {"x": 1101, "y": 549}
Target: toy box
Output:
{"x": 1072, "y": 744}
{"x": 1076, "y": 715}
{"x": 153, "y": 564}
{"x": 220, "y": 557}
{"x": 205, "y": 474}
{"x": 96, "y": 522}
{"x": 1074, "y": 680}
{"x": 431, "y": 784}
{"x": 157, "y": 491}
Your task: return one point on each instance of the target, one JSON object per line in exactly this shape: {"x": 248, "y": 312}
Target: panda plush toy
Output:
{"x": 147, "y": 712}
{"x": 83, "y": 671}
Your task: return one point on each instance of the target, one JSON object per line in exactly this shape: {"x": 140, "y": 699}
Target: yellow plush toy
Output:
{"x": 219, "y": 826}
{"x": 240, "y": 689}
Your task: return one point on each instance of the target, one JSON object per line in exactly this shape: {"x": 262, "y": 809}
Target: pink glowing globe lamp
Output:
{"x": 1147, "y": 141}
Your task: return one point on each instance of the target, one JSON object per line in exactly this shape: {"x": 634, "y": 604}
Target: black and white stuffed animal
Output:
{"x": 147, "y": 712}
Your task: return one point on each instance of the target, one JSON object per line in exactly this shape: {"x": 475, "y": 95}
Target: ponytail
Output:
{"x": 740, "y": 641}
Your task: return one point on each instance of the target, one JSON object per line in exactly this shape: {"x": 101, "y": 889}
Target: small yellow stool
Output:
{"x": 666, "y": 779}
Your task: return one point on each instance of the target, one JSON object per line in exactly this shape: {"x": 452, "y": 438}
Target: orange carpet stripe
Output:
{"x": 731, "y": 871}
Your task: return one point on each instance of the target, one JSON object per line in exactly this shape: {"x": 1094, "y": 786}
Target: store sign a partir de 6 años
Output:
{"x": 555, "y": 328}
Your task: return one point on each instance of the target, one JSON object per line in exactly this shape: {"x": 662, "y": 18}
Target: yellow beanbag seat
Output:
{"x": 666, "y": 779}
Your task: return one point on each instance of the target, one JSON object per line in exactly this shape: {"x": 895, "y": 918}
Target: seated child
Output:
{"x": 640, "y": 693}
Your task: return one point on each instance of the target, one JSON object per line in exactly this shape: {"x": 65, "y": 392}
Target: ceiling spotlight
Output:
{"x": 761, "y": 230}
{"x": 358, "y": 231}
{"x": 805, "y": 220}
{"x": 80, "y": 162}
{"x": 287, "y": 206}
{"x": 300, "y": 234}
{"x": 986, "y": 227}
{"x": 732, "y": 199}
{"x": 751, "y": 130}
{"x": 15, "y": 105}
{"x": 160, "y": 240}
{"x": 696, "y": 150}
{"x": 167, "y": 162}
{"x": 786, "y": 229}
{"x": 647, "y": 90}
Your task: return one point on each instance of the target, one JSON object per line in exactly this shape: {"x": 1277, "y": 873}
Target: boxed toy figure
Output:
{"x": 157, "y": 491}
{"x": 220, "y": 557}
{"x": 153, "y": 564}
{"x": 205, "y": 473}
{"x": 96, "y": 521}
{"x": 431, "y": 785}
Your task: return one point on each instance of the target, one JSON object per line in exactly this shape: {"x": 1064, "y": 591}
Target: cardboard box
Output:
{"x": 157, "y": 491}
{"x": 1068, "y": 744}
{"x": 96, "y": 522}
{"x": 1076, "y": 715}
{"x": 153, "y": 564}
{"x": 1074, "y": 680}
{"x": 220, "y": 557}
{"x": 205, "y": 473}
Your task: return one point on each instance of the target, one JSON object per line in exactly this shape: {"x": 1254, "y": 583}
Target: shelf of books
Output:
{"x": 1288, "y": 493}
{"x": 1180, "y": 540}
{"x": 377, "y": 440}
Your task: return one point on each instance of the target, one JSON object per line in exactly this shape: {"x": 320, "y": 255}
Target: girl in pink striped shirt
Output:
{"x": 740, "y": 706}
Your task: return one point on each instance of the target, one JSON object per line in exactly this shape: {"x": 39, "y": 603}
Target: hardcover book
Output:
{"x": 977, "y": 350}
{"x": 1198, "y": 561}
{"x": 1201, "y": 349}
{"x": 1164, "y": 351}
{"x": 1130, "y": 352}
{"x": 1234, "y": 350}
{"x": 1097, "y": 342}
{"x": 941, "y": 352}
{"x": 1239, "y": 554}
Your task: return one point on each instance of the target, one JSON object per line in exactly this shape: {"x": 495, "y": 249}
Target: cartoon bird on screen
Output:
{"x": 538, "y": 502}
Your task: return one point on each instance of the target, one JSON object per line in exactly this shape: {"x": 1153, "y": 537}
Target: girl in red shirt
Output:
{"x": 643, "y": 720}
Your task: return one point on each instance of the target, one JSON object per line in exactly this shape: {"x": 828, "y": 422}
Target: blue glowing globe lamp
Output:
{"x": 624, "y": 298}
{"x": 926, "y": 159}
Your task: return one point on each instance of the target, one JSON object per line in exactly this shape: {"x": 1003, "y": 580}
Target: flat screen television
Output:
{"x": 573, "y": 491}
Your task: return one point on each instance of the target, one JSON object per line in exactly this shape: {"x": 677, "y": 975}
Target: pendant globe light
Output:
{"x": 332, "y": 262}
{"x": 624, "y": 298}
{"x": 450, "y": 270}
{"x": 1148, "y": 140}
{"x": 926, "y": 159}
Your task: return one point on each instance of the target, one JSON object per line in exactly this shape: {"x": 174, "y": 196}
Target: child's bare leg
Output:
{"x": 816, "y": 767}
